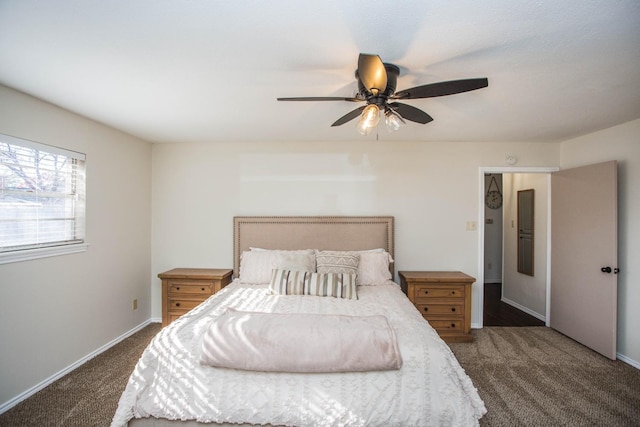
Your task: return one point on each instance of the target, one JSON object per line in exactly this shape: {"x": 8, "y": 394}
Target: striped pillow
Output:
{"x": 337, "y": 285}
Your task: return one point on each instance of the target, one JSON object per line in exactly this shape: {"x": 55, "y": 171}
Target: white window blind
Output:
{"x": 42, "y": 195}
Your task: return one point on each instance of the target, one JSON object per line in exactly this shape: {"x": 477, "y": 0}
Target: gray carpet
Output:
{"x": 89, "y": 395}
{"x": 529, "y": 376}
{"x": 535, "y": 376}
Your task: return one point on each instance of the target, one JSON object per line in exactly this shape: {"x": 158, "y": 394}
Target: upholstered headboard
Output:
{"x": 344, "y": 233}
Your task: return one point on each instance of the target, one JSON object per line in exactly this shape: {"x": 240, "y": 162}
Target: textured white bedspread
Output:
{"x": 431, "y": 389}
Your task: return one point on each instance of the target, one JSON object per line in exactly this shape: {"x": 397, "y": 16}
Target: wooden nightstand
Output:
{"x": 185, "y": 288}
{"x": 444, "y": 299}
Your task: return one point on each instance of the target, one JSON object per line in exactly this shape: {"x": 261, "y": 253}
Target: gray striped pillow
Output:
{"x": 337, "y": 285}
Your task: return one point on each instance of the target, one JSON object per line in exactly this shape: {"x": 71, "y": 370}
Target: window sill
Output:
{"x": 30, "y": 254}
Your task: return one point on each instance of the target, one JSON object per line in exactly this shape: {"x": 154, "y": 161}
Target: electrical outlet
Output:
{"x": 135, "y": 304}
{"x": 472, "y": 226}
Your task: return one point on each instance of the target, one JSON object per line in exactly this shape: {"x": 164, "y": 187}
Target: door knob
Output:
{"x": 606, "y": 269}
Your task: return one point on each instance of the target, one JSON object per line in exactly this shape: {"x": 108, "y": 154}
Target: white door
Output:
{"x": 584, "y": 285}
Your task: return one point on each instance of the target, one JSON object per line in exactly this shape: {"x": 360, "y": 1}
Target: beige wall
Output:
{"x": 621, "y": 143}
{"x": 527, "y": 292}
{"x": 55, "y": 311}
{"x": 430, "y": 188}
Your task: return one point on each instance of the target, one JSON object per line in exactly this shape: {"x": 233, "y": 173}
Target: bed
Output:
{"x": 420, "y": 382}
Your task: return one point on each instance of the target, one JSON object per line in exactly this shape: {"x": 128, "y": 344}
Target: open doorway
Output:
{"x": 508, "y": 297}
{"x": 578, "y": 250}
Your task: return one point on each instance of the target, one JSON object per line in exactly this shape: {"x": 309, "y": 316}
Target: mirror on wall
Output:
{"x": 525, "y": 231}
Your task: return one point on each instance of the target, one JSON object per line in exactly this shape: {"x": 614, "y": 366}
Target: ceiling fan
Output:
{"x": 377, "y": 87}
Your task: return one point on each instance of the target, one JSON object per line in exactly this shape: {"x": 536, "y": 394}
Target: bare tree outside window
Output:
{"x": 41, "y": 197}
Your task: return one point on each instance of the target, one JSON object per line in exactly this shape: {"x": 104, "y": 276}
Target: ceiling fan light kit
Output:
{"x": 369, "y": 119}
{"x": 377, "y": 85}
{"x": 393, "y": 120}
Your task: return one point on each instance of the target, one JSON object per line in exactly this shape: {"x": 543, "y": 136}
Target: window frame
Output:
{"x": 37, "y": 250}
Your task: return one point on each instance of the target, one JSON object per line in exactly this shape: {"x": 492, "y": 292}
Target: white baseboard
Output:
{"x": 525, "y": 309}
{"x": 33, "y": 390}
{"x": 628, "y": 360}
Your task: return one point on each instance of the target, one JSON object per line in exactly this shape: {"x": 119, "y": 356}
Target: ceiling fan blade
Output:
{"x": 372, "y": 73}
{"x": 349, "y": 116}
{"x": 410, "y": 112}
{"x": 321, "y": 98}
{"x": 441, "y": 88}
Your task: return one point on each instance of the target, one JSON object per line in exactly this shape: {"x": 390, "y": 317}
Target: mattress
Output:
{"x": 431, "y": 388}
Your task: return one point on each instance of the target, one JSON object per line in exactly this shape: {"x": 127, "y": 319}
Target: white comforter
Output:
{"x": 431, "y": 389}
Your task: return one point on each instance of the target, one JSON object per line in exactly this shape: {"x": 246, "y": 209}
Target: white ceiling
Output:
{"x": 210, "y": 70}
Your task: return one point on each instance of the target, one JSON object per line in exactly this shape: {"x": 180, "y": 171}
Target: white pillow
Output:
{"x": 256, "y": 266}
{"x": 373, "y": 268}
{"x": 251, "y": 248}
{"x": 296, "y": 260}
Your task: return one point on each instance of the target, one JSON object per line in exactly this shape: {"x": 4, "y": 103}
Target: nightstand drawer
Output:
{"x": 447, "y": 325}
{"x": 184, "y": 304}
{"x": 451, "y": 310}
{"x": 190, "y": 288}
{"x": 174, "y": 316}
{"x": 431, "y": 291}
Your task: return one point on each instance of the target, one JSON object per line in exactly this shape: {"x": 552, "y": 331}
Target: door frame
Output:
{"x": 482, "y": 170}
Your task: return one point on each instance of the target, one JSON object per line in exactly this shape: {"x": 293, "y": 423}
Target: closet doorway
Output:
{"x": 509, "y": 297}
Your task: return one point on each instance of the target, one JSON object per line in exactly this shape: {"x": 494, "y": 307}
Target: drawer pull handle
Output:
{"x": 202, "y": 289}
{"x": 453, "y": 309}
{"x": 453, "y": 292}
{"x": 177, "y": 304}
{"x": 177, "y": 288}
{"x": 453, "y": 325}
{"x": 426, "y": 309}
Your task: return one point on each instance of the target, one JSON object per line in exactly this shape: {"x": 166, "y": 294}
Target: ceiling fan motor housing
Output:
{"x": 392, "y": 78}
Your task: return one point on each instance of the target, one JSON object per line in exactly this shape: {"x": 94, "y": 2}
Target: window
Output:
{"x": 42, "y": 200}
